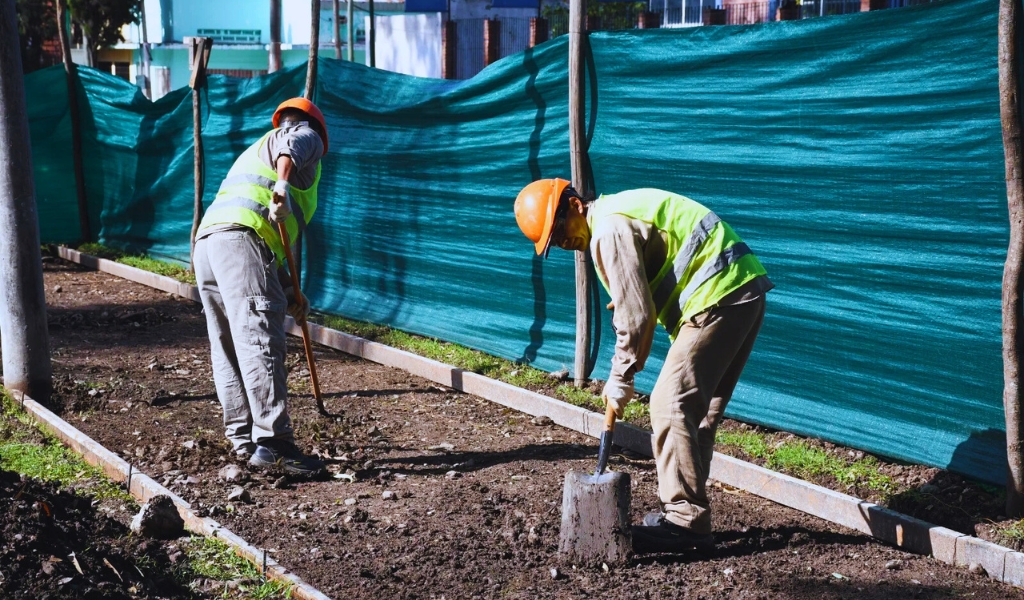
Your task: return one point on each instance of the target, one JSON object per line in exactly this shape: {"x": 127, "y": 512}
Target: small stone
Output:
{"x": 231, "y": 473}
{"x": 445, "y": 447}
{"x": 453, "y": 474}
{"x": 159, "y": 518}
{"x": 281, "y": 483}
{"x": 58, "y": 289}
{"x": 190, "y": 444}
{"x": 240, "y": 494}
{"x": 559, "y": 375}
{"x": 542, "y": 420}
{"x": 374, "y": 431}
{"x": 555, "y": 574}
{"x": 977, "y": 569}
{"x": 894, "y": 564}
{"x": 350, "y": 501}
{"x": 174, "y": 557}
{"x": 389, "y": 495}
{"x": 368, "y": 465}
{"x": 929, "y": 488}
{"x": 191, "y": 480}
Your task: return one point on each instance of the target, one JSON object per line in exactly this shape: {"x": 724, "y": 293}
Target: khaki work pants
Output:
{"x": 688, "y": 402}
{"x": 236, "y": 273}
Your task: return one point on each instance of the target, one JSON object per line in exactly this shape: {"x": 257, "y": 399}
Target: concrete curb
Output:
{"x": 905, "y": 532}
{"x": 143, "y": 487}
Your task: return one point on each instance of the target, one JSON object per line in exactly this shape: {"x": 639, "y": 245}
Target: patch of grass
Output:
{"x": 578, "y": 396}
{"x": 45, "y": 458}
{"x": 1014, "y": 531}
{"x": 138, "y": 261}
{"x": 213, "y": 559}
{"x": 800, "y": 459}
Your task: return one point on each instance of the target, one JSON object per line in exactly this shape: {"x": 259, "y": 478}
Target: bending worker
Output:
{"x": 239, "y": 258}
{"x": 664, "y": 258}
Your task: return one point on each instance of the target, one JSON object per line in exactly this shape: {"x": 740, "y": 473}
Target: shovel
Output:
{"x": 595, "y": 510}
{"x": 302, "y": 322}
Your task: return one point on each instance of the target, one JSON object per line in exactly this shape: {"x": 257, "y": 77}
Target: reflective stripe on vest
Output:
{"x": 705, "y": 259}
{"x": 245, "y": 196}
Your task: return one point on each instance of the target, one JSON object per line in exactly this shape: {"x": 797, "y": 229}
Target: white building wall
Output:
{"x": 409, "y": 43}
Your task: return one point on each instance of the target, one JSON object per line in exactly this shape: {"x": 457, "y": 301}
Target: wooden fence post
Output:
{"x": 314, "y": 50}
{"x": 578, "y": 23}
{"x": 199, "y": 56}
{"x": 648, "y": 20}
{"x": 337, "y": 29}
{"x": 538, "y": 31}
{"x": 449, "y": 50}
{"x": 492, "y": 41}
{"x": 71, "y": 76}
{"x": 275, "y": 36}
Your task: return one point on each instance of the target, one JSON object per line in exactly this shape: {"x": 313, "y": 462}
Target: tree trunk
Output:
{"x": 71, "y": 76}
{"x": 337, "y": 30}
{"x": 580, "y": 177}
{"x": 372, "y": 39}
{"x": 1009, "y": 105}
{"x": 23, "y": 333}
{"x": 314, "y": 51}
{"x": 275, "y": 36}
{"x": 350, "y": 29}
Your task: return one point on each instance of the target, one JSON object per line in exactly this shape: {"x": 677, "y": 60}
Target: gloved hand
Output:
{"x": 617, "y": 395}
{"x": 279, "y": 209}
{"x": 298, "y": 307}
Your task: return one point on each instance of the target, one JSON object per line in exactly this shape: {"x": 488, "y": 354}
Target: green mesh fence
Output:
{"x": 859, "y": 156}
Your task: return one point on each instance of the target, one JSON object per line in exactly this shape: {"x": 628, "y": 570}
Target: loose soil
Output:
{"x": 433, "y": 493}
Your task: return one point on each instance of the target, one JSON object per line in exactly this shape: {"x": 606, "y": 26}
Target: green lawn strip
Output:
{"x": 26, "y": 449}
{"x": 213, "y": 559}
{"x": 34, "y": 453}
{"x": 801, "y": 459}
{"x": 138, "y": 261}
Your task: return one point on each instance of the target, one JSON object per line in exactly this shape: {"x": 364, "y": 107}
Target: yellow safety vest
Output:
{"x": 705, "y": 261}
{"x": 245, "y": 195}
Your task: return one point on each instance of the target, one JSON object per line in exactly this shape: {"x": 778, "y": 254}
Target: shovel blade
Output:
{"x": 595, "y": 518}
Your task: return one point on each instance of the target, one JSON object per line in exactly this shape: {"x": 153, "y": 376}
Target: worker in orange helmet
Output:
{"x": 664, "y": 258}
{"x": 246, "y": 291}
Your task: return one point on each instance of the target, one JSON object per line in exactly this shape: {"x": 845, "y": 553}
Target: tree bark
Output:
{"x": 275, "y": 36}
{"x": 314, "y": 51}
{"x": 23, "y": 334}
{"x": 71, "y": 76}
{"x": 337, "y": 30}
{"x": 1010, "y": 115}
{"x": 580, "y": 177}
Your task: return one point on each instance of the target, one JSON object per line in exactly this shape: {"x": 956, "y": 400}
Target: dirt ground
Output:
{"x": 432, "y": 493}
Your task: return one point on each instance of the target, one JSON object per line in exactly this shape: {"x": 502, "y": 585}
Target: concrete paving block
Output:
{"x": 910, "y": 534}
{"x": 990, "y": 556}
{"x": 1013, "y": 569}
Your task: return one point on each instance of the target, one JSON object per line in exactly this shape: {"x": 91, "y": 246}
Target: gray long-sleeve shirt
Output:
{"x": 625, "y": 251}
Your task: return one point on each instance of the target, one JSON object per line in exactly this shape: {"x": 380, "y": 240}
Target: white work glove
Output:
{"x": 298, "y": 307}
{"x": 617, "y": 395}
{"x": 279, "y": 209}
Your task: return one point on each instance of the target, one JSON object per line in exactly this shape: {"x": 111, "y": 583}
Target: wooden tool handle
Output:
{"x": 306, "y": 343}
{"x": 609, "y": 418}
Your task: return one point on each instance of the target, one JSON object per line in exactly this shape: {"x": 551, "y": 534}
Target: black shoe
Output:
{"x": 669, "y": 537}
{"x": 286, "y": 455}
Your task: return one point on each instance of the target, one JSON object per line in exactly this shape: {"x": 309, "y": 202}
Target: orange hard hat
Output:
{"x": 307, "y": 107}
{"x": 535, "y": 210}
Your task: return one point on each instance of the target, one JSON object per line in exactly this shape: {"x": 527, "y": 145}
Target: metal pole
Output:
{"x": 578, "y": 154}
{"x": 146, "y": 58}
{"x": 1010, "y": 115}
{"x": 275, "y": 36}
{"x": 350, "y": 29}
{"x": 23, "y": 334}
{"x": 71, "y": 76}
{"x": 372, "y": 49}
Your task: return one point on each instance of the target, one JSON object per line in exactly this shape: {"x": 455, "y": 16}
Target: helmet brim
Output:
{"x": 543, "y": 245}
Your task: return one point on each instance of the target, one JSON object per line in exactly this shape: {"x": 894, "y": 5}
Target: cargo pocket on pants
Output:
{"x": 260, "y": 325}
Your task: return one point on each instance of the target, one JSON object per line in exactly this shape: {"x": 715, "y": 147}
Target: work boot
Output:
{"x": 286, "y": 455}
{"x": 666, "y": 536}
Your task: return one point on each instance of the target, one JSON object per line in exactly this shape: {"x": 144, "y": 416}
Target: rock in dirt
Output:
{"x": 231, "y": 473}
{"x": 445, "y": 447}
{"x": 559, "y": 375}
{"x": 159, "y": 519}
{"x": 350, "y": 501}
{"x": 555, "y": 574}
{"x": 977, "y": 569}
{"x": 894, "y": 564}
{"x": 542, "y": 420}
{"x": 929, "y": 488}
{"x": 389, "y": 495}
{"x": 240, "y": 494}
{"x": 453, "y": 474}
{"x": 281, "y": 483}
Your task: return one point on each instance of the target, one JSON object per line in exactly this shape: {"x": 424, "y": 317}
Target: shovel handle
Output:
{"x": 306, "y": 343}
{"x": 609, "y": 418}
{"x": 606, "y": 441}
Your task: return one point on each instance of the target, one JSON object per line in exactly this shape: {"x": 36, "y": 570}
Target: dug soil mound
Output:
{"x": 431, "y": 493}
